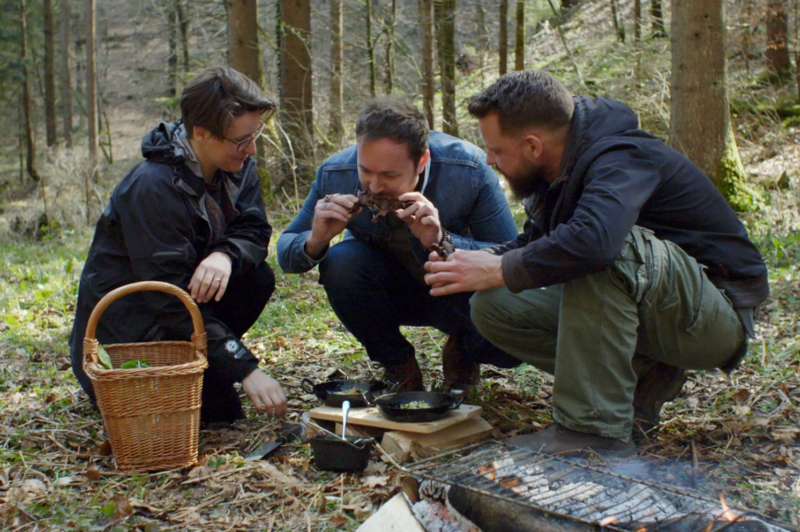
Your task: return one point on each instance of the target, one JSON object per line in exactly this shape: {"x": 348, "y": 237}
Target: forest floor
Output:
{"x": 734, "y": 435}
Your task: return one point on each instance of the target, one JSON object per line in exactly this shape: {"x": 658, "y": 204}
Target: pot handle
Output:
{"x": 307, "y": 385}
{"x": 458, "y": 399}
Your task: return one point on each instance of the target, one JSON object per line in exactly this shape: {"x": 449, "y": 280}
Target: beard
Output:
{"x": 527, "y": 181}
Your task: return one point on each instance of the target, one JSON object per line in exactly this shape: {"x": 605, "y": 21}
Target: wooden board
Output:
{"x": 469, "y": 431}
{"x": 371, "y": 417}
{"x": 394, "y": 516}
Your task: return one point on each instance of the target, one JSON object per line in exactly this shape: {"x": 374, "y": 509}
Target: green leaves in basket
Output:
{"x": 133, "y": 364}
{"x": 104, "y": 361}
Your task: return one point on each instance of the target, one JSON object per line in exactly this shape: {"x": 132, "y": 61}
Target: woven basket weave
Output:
{"x": 151, "y": 415}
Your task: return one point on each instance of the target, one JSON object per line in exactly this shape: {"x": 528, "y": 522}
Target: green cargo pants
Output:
{"x": 656, "y": 301}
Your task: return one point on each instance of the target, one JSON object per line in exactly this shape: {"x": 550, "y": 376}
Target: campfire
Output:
{"x": 501, "y": 488}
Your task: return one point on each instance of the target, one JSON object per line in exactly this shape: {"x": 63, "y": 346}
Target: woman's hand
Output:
{"x": 211, "y": 278}
{"x": 266, "y": 394}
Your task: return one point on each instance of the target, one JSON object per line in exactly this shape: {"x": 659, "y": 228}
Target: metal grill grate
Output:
{"x": 583, "y": 494}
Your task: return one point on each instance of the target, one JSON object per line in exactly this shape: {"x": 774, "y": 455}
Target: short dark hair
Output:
{"x": 396, "y": 119}
{"x": 523, "y": 99}
{"x": 219, "y": 94}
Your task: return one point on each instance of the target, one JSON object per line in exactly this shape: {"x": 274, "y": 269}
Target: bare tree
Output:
{"x": 426, "y": 22}
{"x": 618, "y": 25}
{"x": 657, "y": 14}
{"x": 503, "y": 68}
{"x": 700, "y": 114}
{"x": 373, "y": 90}
{"x": 50, "y": 73}
{"x": 390, "y": 22}
{"x": 445, "y": 15}
{"x": 337, "y": 61}
{"x": 295, "y": 91}
{"x": 519, "y": 42}
{"x": 637, "y": 21}
{"x": 30, "y": 145}
{"x": 183, "y": 22}
{"x": 91, "y": 98}
{"x": 66, "y": 74}
{"x": 777, "y": 38}
{"x": 172, "y": 43}
{"x": 243, "y": 50}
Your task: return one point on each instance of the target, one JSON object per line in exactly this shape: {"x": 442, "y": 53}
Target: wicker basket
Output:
{"x": 151, "y": 415}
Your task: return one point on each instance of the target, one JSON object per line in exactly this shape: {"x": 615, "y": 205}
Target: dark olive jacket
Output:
{"x": 614, "y": 176}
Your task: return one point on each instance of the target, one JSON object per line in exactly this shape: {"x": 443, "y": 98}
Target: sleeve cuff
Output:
{"x": 514, "y": 273}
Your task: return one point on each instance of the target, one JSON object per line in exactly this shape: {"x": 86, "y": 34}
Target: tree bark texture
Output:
{"x": 657, "y": 14}
{"x": 519, "y": 42}
{"x": 637, "y": 21}
{"x": 618, "y": 25}
{"x": 700, "y": 117}
{"x": 777, "y": 37}
{"x": 243, "y": 52}
{"x": 445, "y": 14}
{"x": 91, "y": 95}
{"x": 183, "y": 22}
{"x": 503, "y": 52}
{"x": 50, "y": 73}
{"x": 172, "y": 42}
{"x": 373, "y": 90}
{"x": 295, "y": 89}
{"x": 30, "y": 144}
{"x": 426, "y": 22}
{"x": 337, "y": 62}
{"x": 390, "y": 47}
{"x": 66, "y": 73}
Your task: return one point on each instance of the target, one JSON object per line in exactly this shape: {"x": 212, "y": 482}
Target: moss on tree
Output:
{"x": 731, "y": 180}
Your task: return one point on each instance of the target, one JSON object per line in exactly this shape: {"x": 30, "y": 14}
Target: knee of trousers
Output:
{"x": 254, "y": 287}
{"x": 486, "y": 311}
{"x": 348, "y": 264}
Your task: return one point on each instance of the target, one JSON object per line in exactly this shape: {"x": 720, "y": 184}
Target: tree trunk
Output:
{"x": 426, "y": 22}
{"x": 172, "y": 42}
{"x": 337, "y": 62}
{"x": 295, "y": 92}
{"x": 700, "y": 117}
{"x": 91, "y": 97}
{"x": 657, "y": 14}
{"x": 390, "y": 48}
{"x": 373, "y": 90}
{"x": 618, "y": 25}
{"x": 503, "y": 68}
{"x": 519, "y": 43}
{"x": 637, "y": 21}
{"x": 243, "y": 51}
{"x": 183, "y": 22}
{"x": 50, "y": 73}
{"x": 445, "y": 14}
{"x": 30, "y": 145}
{"x": 66, "y": 74}
{"x": 777, "y": 38}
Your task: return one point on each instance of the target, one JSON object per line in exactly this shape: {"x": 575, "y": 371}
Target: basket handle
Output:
{"x": 90, "y": 344}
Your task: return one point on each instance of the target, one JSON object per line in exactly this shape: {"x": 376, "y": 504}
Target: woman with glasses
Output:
{"x": 191, "y": 214}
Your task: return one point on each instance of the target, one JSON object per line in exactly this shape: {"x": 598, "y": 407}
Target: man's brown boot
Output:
{"x": 560, "y": 440}
{"x": 404, "y": 376}
{"x": 461, "y": 376}
{"x": 657, "y": 383}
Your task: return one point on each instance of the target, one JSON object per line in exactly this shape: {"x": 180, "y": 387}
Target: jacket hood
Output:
{"x": 157, "y": 144}
{"x": 595, "y": 119}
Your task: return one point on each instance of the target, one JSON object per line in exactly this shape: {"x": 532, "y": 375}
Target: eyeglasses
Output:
{"x": 242, "y": 145}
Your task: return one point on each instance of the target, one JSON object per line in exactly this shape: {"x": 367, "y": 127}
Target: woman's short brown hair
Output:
{"x": 219, "y": 94}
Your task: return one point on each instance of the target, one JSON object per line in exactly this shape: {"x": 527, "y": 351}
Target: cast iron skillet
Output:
{"x": 334, "y": 393}
{"x": 439, "y": 404}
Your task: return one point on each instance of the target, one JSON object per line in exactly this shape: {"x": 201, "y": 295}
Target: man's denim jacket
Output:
{"x": 472, "y": 206}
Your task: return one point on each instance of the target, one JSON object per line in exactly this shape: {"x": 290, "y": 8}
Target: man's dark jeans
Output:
{"x": 373, "y": 295}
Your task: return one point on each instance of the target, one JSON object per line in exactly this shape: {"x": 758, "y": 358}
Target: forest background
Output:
{"x": 716, "y": 79}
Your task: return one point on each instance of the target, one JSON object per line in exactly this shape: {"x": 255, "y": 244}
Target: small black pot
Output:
{"x": 334, "y": 393}
{"x": 439, "y": 404}
{"x": 335, "y": 454}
